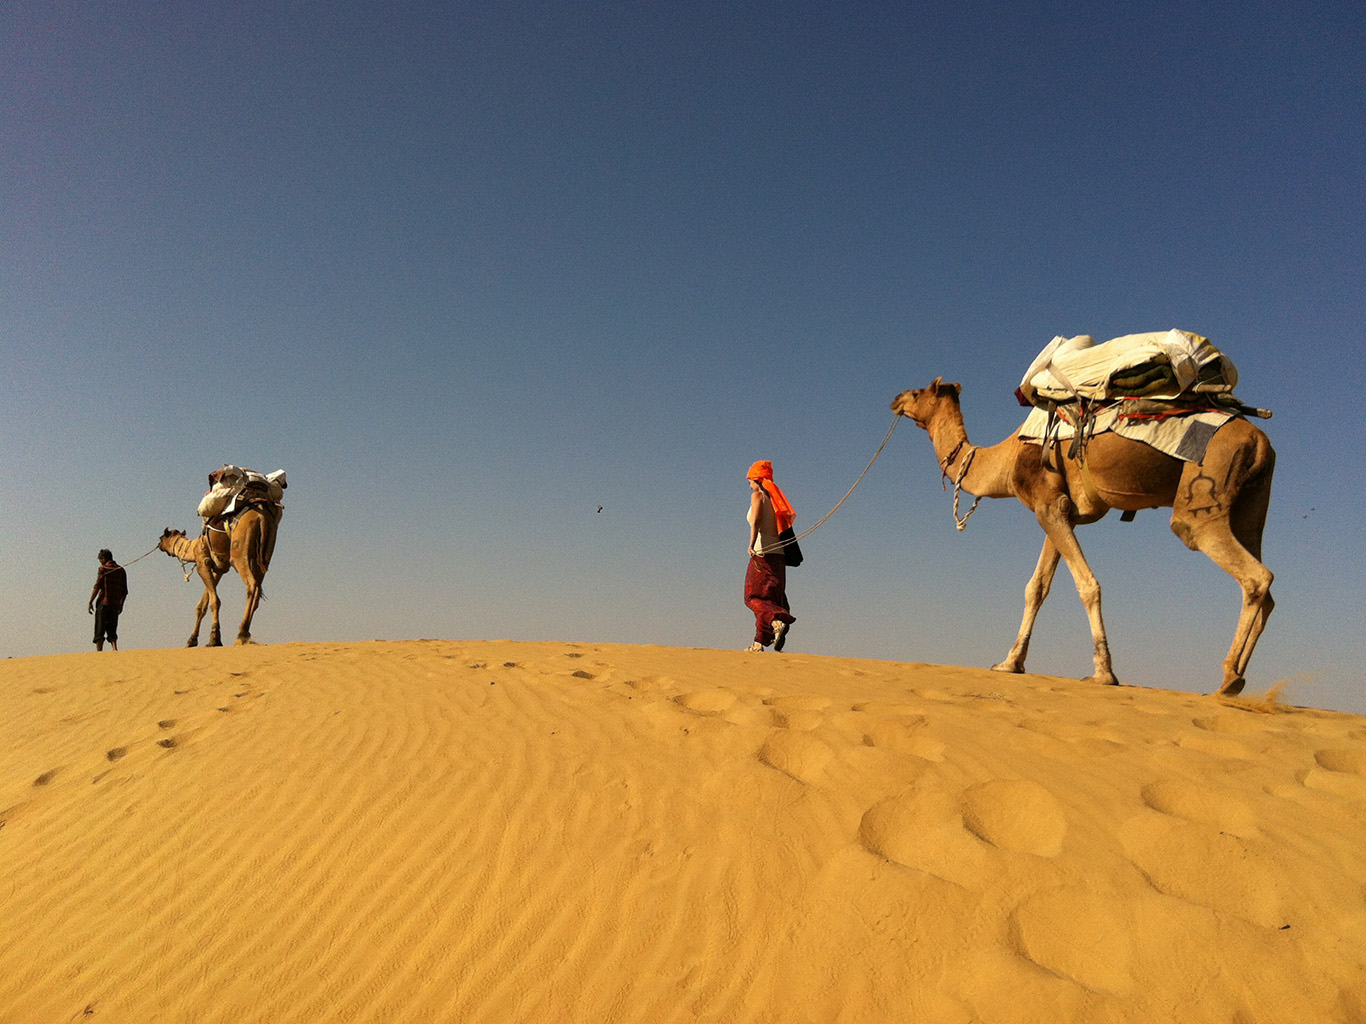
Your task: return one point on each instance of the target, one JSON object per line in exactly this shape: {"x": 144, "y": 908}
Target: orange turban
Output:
{"x": 783, "y": 511}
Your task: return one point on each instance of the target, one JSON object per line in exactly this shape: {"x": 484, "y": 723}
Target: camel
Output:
{"x": 247, "y": 548}
{"x": 1218, "y": 506}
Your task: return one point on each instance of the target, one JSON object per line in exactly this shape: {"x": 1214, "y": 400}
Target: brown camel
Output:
{"x": 1218, "y": 506}
{"x": 246, "y": 547}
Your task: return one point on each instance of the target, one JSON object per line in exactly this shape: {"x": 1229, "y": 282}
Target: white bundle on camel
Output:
{"x": 1158, "y": 365}
{"x": 1171, "y": 390}
{"x": 228, "y": 483}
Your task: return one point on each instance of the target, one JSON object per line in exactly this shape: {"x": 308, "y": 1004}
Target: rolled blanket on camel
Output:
{"x": 1171, "y": 390}
{"x": 227, "y": 483}
{"x": 1154, "y": 365}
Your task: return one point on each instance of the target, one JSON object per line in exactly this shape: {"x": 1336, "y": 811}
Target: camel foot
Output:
{"x": 243, "y": 641}
{"x": 1103, "y": 678}
{"x": 1007, "y": 666}
{"x": 1232, "y": 687}
{"x": 215, "y": 641}
{"x": 192, "y": 642}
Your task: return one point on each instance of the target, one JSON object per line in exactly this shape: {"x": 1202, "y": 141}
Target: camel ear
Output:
{"x": 938, "y": 385}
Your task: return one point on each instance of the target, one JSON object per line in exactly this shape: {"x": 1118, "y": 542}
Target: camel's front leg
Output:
{"x": 1036, "y": 591}
{"x": 210, "y": 599}
{"x": 1058, "y": 527}
{"x": 199, "y": 611}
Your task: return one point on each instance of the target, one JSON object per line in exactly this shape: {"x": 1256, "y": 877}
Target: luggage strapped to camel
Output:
{"x": 1082, "y": 388}
{"x": 233, "y": 490}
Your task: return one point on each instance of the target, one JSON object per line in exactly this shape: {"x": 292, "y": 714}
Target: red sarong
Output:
{"x": 766, "y": 594}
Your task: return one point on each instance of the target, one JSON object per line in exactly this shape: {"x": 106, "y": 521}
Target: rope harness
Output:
{"x": 961, "y": 521}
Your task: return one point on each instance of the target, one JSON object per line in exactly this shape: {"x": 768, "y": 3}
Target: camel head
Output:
{"x": 922, "y": 404}
{"x": 169, "y": 538}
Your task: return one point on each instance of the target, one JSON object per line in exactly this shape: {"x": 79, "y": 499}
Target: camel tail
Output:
{"x": 259, "y": 564}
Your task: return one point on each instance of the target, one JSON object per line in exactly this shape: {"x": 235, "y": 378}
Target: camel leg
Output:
{"x": 199, "y": 611}
{"x": 247, "y": 562}
{"x": 1254, "y": 578}
{"x": 208, "y": 601}
{"x": 1232, "y": 538}
{"x": 253, "y": 599}
{"x": 1036, "y": 591}
{"x": 211, "y": 592}
{"x": 1060, "y": 532}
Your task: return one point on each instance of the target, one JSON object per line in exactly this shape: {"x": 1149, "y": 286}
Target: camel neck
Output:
{"x": 950, "y": 440}
{"x": 980, "y": 471}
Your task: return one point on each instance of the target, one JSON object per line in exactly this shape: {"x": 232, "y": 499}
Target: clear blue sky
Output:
{"x": 470, "y": 271}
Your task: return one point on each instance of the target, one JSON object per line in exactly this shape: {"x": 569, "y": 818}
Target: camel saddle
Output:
{"x": 232, "y": 485}
{"x": 1079, "y": 388}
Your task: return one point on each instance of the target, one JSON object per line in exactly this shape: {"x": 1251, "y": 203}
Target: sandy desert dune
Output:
{"x": 502, "y": 832}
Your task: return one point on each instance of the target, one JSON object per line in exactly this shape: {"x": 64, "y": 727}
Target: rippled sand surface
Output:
{"x": 554, "y": 832}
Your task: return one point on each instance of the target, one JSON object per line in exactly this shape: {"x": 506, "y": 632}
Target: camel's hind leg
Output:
{"x": 253, "y": 599}
{"x": 1232, "y": 538}
{"x": 254, "y": 577}
{"x": 1036, "y": 591}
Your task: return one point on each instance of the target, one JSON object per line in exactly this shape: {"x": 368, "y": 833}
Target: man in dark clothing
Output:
{"x": 111, "y": 589}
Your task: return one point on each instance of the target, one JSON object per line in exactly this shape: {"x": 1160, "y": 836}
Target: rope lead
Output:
{"x": 885, "y": 438}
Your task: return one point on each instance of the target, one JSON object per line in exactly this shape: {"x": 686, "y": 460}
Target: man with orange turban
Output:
{"x": 770, "y": 513}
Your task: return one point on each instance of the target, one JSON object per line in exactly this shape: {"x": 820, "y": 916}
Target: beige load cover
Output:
{"x": 1161, "y": 364}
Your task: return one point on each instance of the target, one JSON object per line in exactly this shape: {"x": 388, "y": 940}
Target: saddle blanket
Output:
{"x": 227, "y": 483}
{"x": 1161, "y": 364}
{"x": 1184, "y": 436}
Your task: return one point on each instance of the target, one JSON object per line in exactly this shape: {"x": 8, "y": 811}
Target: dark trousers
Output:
{"x": 106, "y": 623}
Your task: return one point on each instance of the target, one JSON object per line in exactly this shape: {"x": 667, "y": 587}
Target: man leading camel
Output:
{"x": 111, "y": 590}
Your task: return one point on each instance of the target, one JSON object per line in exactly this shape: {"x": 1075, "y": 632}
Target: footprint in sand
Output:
{"x": 581, "y": 674}
{"x": 1230, "y": 722}
{"x": 1078, "y": 934}
{"x": 1209, "y": 867}
{"x": 800, "y": 713}
{"x": 650, "y": 683}
{"x": 167, "y": 723}
{"x": 797, "y": 754}
{"x": 723, "y": 704}
{"x": 707, "y": 702}
{"x": 1015, "y": 814}
{"x": 904, "y": 736}
{"x": 1344, "y": 760}
{"x": 1217, "y": 746}
{"x": 922, "y": 828}
{"x": 1339, "y": 771}
{"x": 1201, "y": 805}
